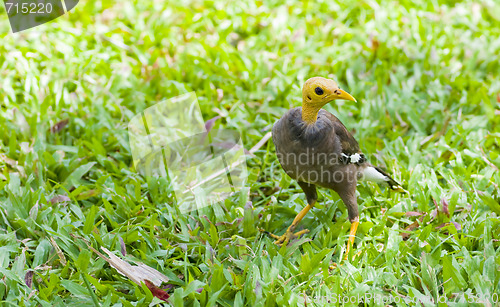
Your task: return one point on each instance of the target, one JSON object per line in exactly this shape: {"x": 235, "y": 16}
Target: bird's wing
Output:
{"x": 350, "y": 148}
{"x": 349, "y": 144}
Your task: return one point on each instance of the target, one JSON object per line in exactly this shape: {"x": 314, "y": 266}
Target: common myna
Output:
{"x": 316, "y": 149}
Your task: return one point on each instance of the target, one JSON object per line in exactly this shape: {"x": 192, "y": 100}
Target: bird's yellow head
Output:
{"x": 316, "y": 93}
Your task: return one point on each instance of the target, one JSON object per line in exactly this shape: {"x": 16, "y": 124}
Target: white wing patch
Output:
{"x": 371, "y": 174}
{"x": 354, "y": 158}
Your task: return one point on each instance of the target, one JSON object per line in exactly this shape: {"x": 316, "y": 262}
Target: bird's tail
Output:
{"x": 375, "y": 174}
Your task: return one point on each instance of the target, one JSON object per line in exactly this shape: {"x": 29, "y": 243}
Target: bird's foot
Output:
{"x": 352, "y": 234}
{"x": 288, "y": 236}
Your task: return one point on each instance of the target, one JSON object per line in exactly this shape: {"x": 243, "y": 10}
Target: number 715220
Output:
{"x": 28, "y": 8}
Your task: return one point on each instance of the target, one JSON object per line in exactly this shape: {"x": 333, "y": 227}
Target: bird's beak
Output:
{"x": 345, "y": 95}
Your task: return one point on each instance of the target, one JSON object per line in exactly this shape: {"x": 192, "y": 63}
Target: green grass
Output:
{"x": 426, "y": 75}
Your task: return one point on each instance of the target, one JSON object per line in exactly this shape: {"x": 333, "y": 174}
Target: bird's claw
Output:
{"x": 288, "y": 236}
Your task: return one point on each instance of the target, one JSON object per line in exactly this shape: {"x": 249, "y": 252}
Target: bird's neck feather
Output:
{"x": 309, "y": 114}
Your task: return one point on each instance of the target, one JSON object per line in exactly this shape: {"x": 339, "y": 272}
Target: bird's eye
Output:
{"x": 318, "y": 91}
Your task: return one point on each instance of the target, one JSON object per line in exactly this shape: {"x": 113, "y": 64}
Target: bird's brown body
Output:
{"x": 316, "y": 149}
{"x": 312, "y": 155}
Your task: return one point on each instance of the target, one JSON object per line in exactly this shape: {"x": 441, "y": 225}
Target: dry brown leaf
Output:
{"x": 59, "y": 252}
{"x": 413, "y": 213}
{"x": 220, "y": 94}
{"x": 139, "y": 273}
{"x": 59, "y": 126}
{"x": 123, "y": 249}
{"x": 59, "y": 199}
{"x": 28, "y": 278}
{"x": 12, "y": 163}
{"x": 412, "y": 227}
{"x": 209, "y": 124}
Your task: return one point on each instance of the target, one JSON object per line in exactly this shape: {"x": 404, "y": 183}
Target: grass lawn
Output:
{"x": 426, "y": 75}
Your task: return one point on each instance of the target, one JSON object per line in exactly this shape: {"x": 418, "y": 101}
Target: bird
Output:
{"x": 315, "y": 148}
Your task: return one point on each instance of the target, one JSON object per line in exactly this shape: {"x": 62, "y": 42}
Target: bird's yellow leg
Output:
{"x": 289, "y": 235}
{"x": 352, "y": 234}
